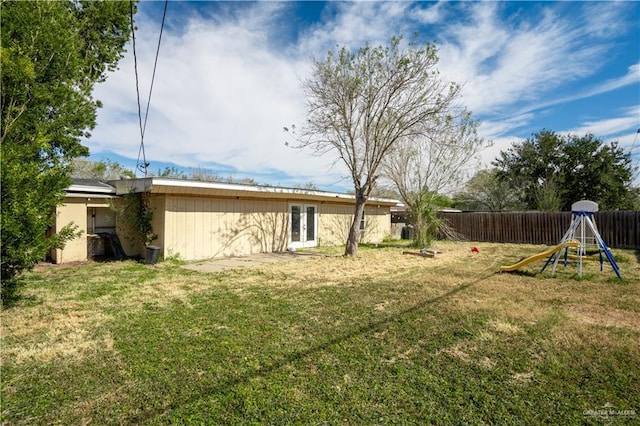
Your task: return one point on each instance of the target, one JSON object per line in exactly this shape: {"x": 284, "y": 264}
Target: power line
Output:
{"x": 144, "y": 166}
{"x": 135, "y": 67}
{"x": 155, "y": 64}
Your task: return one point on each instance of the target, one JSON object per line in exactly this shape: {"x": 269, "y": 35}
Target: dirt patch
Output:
{"x": 217, "y": 265}
{"x": 598, "y": 315}
{"x": 522, "y": 378}
{"x": 505, "y": 327}
{"x": 45, "y": 336}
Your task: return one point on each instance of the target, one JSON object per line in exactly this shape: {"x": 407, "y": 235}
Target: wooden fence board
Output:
{"x": 619, "y": 229}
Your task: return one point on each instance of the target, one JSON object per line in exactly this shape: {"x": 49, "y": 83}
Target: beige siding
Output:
{"x": 196, "y": 228}
{"x": 201, "y": 228}
{"x": 158, "y": 206}
{"x": 75, "y": 211}
{"x": 335, "y": 220}
{"x": 130, "y": 244}
{"x": 377, "y": 224}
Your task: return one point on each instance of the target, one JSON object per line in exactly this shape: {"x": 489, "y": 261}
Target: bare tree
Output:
{"x": 485, "y": 192}
{"x": 362, "y": 104}
{"x": 105, "y": 169}
{"x": 428, "y": 164}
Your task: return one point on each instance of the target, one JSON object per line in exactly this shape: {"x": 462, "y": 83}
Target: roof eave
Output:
{"x": 156, "y": 185}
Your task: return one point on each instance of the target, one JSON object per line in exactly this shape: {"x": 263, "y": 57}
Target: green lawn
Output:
{"x": 383, "y": 339}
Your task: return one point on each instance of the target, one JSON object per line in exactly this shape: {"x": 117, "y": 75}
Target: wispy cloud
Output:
{"x": 622, "y": 127}
{"x": 506, "y": 63}
{"x": 221, "y": 96}
{"x": 631, "y": 78}
{"x": 227, "y": 82}
{"x": 603, "y": 20}
{"x": 355, "y": 24}
{"x": 431, "y": 14}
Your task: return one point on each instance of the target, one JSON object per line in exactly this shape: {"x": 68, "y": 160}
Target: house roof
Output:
{"x": 157, "y": 185}
{"x": 90, "y": 187}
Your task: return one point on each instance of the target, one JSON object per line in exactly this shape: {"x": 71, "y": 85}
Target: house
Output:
{"x": 199, "y": 220}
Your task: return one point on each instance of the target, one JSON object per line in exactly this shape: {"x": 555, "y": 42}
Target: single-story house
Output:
{"x": 196, "y": 220}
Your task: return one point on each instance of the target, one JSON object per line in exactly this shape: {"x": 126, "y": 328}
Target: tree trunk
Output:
{"x": 354, "y": 232}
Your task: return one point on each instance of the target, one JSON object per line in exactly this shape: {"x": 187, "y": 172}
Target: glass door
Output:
{"x": 303, "y": 229}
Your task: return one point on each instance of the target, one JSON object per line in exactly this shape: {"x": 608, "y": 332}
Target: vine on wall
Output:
{"x": 135, "y": 211}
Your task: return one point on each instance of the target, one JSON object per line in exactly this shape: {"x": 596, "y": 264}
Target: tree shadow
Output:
{"x": 388, "y": 244}
{"x": 286, "y": 359}
{"x": 521, "y": 273}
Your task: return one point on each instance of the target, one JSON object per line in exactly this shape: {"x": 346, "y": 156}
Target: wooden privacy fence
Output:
{"x": 619, "y": 229}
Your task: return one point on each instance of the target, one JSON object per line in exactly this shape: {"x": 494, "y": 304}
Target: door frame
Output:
{"x": 303, "y": 226}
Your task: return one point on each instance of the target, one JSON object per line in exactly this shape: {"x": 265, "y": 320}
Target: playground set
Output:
{"x": 581, "y": 237}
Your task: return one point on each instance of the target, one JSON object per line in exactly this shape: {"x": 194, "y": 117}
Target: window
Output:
{"x": 362, "y": 222}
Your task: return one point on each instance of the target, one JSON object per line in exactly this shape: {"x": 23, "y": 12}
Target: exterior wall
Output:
{"x": 158, "y": 206}
{"x": 196, "y": 228}
{"x": 74, "y": 210}
{"x": 200, "y": 228}
{"x": 377, "y": 224}
{"x": 335, "y": 220}
{"x": 130, "y": 245}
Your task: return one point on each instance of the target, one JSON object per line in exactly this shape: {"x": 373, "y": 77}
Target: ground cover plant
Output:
{"x": 385, "y": 338}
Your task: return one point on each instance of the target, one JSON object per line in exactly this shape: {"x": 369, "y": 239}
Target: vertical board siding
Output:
{"x": 619, "y": 229}
{"x": 73, "y": 212}
{"x": 334, "y": 221}
{"x": 195, "y": 228}
{"x": 200, "y": 228}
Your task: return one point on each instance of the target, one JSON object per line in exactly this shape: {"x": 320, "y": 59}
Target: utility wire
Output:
{"x": 135, "y": 67}
{"x": 144, "y": 166}
{"x": 155, "y": 64}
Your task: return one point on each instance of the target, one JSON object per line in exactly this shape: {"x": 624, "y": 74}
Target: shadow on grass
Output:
{"x": 388, "y": 244}
{"x": 277, "y": 364}
{"x": 521, "y": 273}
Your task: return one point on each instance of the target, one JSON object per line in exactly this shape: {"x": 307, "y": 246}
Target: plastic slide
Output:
{"x": 539, "y": 256}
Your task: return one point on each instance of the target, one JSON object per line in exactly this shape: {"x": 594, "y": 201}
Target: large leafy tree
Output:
{"x": 552, "y": 171}
{"x": 362, "y": 104}
{"x": 53, "y": 52}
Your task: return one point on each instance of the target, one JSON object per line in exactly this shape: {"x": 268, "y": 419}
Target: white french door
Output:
{"x": 303, "y": 225}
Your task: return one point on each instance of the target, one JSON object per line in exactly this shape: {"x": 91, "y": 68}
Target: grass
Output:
{"x": 381, "y": 339}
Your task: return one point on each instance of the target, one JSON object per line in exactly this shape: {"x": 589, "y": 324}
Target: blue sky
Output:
{"x": 228, "y": 77}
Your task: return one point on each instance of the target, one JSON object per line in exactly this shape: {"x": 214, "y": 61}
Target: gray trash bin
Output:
{"x": 152, "y": 255}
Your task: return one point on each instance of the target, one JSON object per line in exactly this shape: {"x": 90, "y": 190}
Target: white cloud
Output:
{"x": 630, "y": 78}
{"x": 607, "y": 18}
{"x": 504, "y": 63}
{"x": 226, "y": 83}
{"x": 492, "y": 152}
{"x": 430, "y": 14}
{"x": 492, "y": 129}
{"x": 355, "y": 24}
{"x": 622, "y": 128}
{"x": 221, "y": 95}
{"x": 626, "y": 121}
